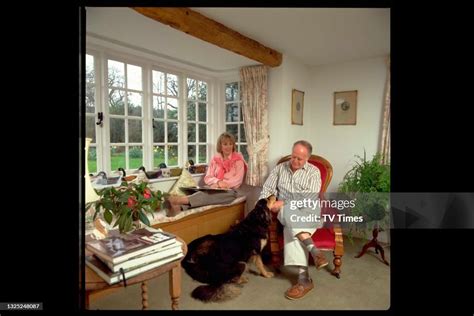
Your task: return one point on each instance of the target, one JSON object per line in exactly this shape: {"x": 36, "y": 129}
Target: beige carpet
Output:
{"x": 364, "y": 285}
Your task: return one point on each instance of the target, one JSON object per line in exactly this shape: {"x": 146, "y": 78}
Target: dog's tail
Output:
{"x": 216, "y": 293}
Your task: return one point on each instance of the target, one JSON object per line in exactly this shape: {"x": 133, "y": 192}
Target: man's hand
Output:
{"x": 277, "y": 206}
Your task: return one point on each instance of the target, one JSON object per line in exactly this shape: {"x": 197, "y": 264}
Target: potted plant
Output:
{"x": 368, "y": 183}
{"x": 127, "y": 204}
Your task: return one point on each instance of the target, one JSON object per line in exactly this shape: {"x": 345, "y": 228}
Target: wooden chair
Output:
{"x": 327, "y": 238}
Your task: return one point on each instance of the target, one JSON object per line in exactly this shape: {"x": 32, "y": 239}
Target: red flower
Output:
{"x": 131, "y": 202}
{"x": 147, "y": 193}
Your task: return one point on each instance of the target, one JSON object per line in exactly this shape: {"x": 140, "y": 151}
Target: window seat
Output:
{"x": 200, "y": 221}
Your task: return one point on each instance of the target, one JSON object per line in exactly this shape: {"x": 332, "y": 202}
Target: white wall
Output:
{"x": 292, "y": 74}
{"x": 338, "y": 143}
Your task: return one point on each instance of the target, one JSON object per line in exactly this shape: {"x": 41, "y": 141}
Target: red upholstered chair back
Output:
{"x": 324, "y": 167}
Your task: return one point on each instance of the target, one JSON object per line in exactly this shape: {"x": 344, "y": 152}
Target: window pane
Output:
{"x": 158, "y": 107}
{"x": 192, "y": 152}
{"x": 172, "y": 155}
{"x": 191, "y": 111}
{"x": 232, "y": 128}
{"x": 242, "y": 134}
{"x": 241, "y": 118}
{"x": 232, "y": 112}
{"x": 192, "y": 133}
{"x": 90, "y": 98}
{"x": 172, "y": 109}
{"x": 116, "y": 102}
{"x": 117, "y": 131}
{"x": 117, "y": 157}
{"x": 90, "y": 128}
{"x": 134, "y": 77}
{"x": 202, "y": 91}
{"x": 191, "y": 88}
{"x": 159, "y": 132}
{"x": 158, "y": 82}
{"x": 202, "y": 133}
{"x": 231, "y": 90}
{"x": 172, "y": 84}
{"x": 202, "y": 112}
{"x": 90, "y": 73}
{"x": 202, "y": 154}
{"x": 172, "y": 132}
{"x": 116, "y": 74}
{"x": 135, "y": 157}
{"x": 158, "y": 155}
{"x": 92, "y": 159}
{"x": 134, "y": 131}
{"x": 134, "y": 104}
{"x": 243, "y": 151}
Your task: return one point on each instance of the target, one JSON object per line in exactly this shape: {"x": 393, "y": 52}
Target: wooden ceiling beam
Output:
{"x": 200, "y": 26}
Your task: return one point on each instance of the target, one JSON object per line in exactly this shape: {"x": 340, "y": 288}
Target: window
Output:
{"x": 90, "y": 97}
{"x": 234, "y": 120}
{"x": 165, "y": 118}
{"x": 197, "y": 119}
{"x": 125, "y": 111}
{"x": 150, "y": 115}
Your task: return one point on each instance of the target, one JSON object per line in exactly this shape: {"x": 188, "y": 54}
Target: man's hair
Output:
{"x": 305, "y": 144}
{"x": 225, "y": 136}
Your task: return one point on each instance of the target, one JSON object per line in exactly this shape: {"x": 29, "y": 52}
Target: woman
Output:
{"x": 226, "y": 170}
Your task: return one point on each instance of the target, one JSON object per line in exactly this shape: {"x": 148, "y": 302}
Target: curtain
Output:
{"x": 255, "y": 113}
{"x": 385, "y": 140}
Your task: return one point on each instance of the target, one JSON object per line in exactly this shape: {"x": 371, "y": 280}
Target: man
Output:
{"x": 293, "y": 182}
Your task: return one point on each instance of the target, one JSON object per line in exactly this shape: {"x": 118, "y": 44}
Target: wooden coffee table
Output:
{"x": 95, "y": 284}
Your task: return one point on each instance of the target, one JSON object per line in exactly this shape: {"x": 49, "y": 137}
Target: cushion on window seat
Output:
{"x": 160, "y": 216}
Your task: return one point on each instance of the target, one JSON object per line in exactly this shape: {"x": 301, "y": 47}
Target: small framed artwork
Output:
{"x": 297, "y": 104}
{"x": 345, "y": 108}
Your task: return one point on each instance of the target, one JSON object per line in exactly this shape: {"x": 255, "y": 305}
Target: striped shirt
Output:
{"x": 286, "y": 185}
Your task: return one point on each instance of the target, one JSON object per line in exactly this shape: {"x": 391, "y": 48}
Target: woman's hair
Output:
{"x": 225, "y": 136}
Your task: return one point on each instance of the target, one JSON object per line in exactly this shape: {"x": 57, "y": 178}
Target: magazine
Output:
{"x": 147, "y": 257}
{"x": 204, "y": 188}
{"x": 118, "y": 248}
{"x": 113, "y": 277}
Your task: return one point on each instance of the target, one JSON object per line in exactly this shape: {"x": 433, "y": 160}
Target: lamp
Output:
{"x": 100, "y": 230}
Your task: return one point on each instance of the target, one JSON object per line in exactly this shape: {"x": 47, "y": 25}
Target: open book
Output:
{"x": 204, "y": 188}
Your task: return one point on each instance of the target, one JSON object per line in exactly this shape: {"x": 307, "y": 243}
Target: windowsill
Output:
{"x": 173, "y": 178}
{"x": 151, "y": 181}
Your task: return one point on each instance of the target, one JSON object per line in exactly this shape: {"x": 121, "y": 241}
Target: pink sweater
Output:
{"x": 234, "y": 177}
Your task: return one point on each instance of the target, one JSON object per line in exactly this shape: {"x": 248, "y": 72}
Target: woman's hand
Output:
{"x": 222, "y": 184}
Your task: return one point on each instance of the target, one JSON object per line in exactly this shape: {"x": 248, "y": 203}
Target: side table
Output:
{"x": 95, "y": 284}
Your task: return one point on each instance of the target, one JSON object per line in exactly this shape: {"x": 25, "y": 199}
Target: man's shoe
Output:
{"x": 298, "y": 290}
{"x": 321, "y": 261}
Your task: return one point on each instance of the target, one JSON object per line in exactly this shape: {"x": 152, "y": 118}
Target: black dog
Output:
{"x": 219, "y": 260}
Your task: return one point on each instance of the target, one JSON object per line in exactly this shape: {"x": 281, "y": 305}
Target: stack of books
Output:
{"x": 127, "y": 255}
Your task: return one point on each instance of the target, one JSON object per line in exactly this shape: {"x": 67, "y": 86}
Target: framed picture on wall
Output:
{"x": 297, "y": 104}
{"x": 345, "y": 108}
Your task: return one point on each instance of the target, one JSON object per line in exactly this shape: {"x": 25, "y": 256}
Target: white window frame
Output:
{"x": 101, "y": 55}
